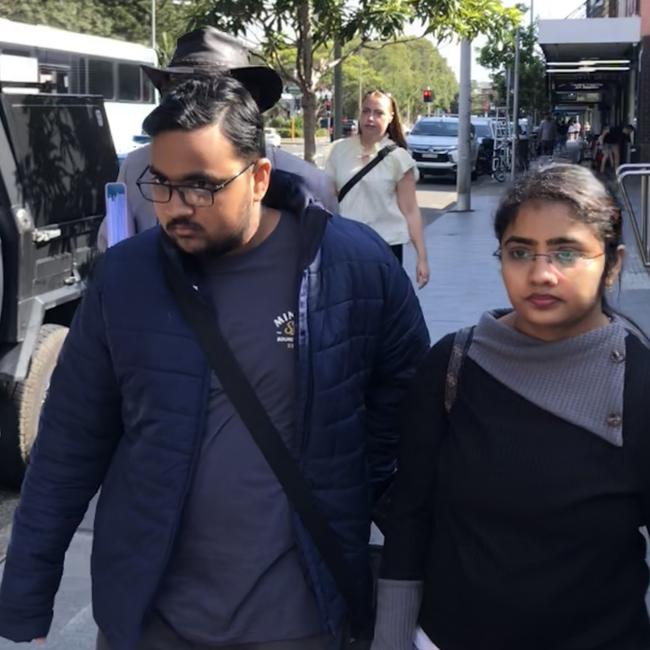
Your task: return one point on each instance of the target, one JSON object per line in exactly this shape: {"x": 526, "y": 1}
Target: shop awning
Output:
{"x": 588, "y": 41}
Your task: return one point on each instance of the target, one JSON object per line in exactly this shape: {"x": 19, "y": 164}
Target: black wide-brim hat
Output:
{"x": 208, "y": 51}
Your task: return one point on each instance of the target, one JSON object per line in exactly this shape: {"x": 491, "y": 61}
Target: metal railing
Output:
{"x": 640, "y": 222}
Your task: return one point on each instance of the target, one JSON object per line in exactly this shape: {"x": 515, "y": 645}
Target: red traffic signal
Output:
{"x": 427, "y": 96}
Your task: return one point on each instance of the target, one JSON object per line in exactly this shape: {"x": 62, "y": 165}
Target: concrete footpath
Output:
{"x": 465, "y": 281}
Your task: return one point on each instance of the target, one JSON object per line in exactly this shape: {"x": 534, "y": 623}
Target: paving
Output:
{"x": 465, "y": 282}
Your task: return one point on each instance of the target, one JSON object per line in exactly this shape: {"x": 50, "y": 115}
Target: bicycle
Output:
{"x": 501, "y": 163}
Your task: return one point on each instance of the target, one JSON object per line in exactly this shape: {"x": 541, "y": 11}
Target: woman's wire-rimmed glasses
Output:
{"x": 563, "y": 258}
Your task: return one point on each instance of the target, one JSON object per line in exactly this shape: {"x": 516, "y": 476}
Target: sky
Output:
{"x": 544, "y": 9}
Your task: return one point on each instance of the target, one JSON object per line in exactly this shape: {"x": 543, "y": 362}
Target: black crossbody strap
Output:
{"x": 459, "y": 350}
{"x": 253, "y": 414}
{"x": 364, "y": 170}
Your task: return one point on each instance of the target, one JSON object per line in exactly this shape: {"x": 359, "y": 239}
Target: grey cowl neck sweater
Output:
{"x": 579, "y": 379}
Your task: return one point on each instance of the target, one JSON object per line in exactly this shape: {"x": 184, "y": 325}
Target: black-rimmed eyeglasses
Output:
{"x": 196, "y": 196}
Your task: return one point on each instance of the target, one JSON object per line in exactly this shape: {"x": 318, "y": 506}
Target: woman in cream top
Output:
{"x": 384, "y": 198}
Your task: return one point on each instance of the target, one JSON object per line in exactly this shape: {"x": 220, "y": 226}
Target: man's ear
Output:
{"x": 261, "y": 178}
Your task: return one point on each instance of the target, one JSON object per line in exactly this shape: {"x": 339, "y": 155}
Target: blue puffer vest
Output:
{"x": 127, "y": 407}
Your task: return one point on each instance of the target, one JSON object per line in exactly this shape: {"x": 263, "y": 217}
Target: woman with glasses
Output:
{"x": 513, "y": 523}
{"x": 385, "y": 197}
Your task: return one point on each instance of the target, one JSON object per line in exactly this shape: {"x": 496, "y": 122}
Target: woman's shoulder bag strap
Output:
{"x": 459, "y": 349}
{"x": 364, "y": 170}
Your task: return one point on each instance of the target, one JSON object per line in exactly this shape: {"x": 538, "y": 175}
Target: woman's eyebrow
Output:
{"x": 520, "y": 240}
{"x": 563, "y": 240}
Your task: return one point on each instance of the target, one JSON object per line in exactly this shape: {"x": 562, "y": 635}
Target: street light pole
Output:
{"x": 532, "y": 12}
{"x": 515, "y": 109}
{"x": 464, "y": 169}
{"x": 153, "y": 24}
{"x": 338, "y": 91}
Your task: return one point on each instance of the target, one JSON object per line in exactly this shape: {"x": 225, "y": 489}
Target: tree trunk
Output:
{"x": 305, "y": 74}
{"x": 309, "y": 123}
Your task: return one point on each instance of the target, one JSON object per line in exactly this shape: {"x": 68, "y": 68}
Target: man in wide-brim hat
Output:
{"x": 205, "y": 52}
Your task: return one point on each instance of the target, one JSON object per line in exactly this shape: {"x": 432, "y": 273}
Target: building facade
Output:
{"x": 598, "y": 66}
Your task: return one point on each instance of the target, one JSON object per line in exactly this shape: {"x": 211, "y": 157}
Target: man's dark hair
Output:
{"x": 218, "y": 100}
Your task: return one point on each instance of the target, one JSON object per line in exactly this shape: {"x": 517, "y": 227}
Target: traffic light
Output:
{"x": 427, "y": 96}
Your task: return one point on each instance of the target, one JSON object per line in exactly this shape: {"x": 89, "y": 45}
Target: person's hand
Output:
{"x": 40, "y": 641}
{"x": 421, "y": 272}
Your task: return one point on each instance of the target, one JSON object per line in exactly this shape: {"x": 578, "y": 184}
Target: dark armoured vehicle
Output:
{"x": 56, "y": 154}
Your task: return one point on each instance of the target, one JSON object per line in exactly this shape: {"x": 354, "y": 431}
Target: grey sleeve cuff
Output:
{"x": 398, "y": 607}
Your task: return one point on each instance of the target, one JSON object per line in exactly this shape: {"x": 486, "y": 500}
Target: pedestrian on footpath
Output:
{"x": 207, "y": 52}
{"x": 375, "y": 179}
{"x": 523, "y": 468}
{"x": 236, "y": 402}
{"x": 547, "y": 135}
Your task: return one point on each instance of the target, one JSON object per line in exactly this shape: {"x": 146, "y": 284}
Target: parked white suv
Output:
{"x": 433, "y": 143}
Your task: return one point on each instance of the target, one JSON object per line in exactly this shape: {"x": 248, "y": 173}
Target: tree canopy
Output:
{"x": 499, "y": 55}
{"x": 296, "y": 36}
{"x": 308, "y": 28}
{"x": 129, "y": 20}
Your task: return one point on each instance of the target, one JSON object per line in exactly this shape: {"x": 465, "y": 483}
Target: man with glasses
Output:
{"x": 205, "y": 52}
{"x": 197, "y": 545}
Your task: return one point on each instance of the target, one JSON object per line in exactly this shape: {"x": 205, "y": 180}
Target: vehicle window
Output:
{"x": 483, "y": 130}
{"x": 100, "y": 78}
{"x": 128, "y": 82}
{"x": 445, "y": 129}
{"x": 147, "y": 88}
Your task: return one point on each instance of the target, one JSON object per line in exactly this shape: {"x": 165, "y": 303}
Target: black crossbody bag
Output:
{"x": 364, "y": 170}
{"x": 266, "y": 436}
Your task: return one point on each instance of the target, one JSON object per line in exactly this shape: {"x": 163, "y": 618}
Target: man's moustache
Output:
{"x": 182, "y": 221}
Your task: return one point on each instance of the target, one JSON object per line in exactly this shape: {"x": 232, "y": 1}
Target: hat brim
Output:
{"x": 264, "y": 84}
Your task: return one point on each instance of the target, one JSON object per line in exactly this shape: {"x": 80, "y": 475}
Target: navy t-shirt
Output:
{"x": 236, "y": 575}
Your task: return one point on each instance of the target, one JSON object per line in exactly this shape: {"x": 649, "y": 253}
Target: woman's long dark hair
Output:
{"x": 394, "y": 130}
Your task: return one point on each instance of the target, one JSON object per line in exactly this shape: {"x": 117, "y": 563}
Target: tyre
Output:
{"x": 20, "y": 412}
{"x": 499, "y": 175}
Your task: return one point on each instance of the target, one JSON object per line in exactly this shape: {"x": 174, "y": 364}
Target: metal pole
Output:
{"x": 532, "y": 12}
{"x": 360, "y": 84}
{"x": 508, "y": 97}
{"x": 153, "y": 24}
{"x": 645, "y": 225}
{"x": 338, "y": 92}
{"x": 464, "y": 170}
{"x": 515, "y": 109}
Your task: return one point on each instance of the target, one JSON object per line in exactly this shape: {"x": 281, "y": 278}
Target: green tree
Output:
{"x": 82, "y": 16}
{"x": 305, "y": 27}
{"x": 404, "y": 69}
{"x": 128, "y": 20}
{"x": 499, "y": 55}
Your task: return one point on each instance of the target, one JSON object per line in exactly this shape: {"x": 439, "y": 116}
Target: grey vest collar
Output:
{"x": 580, "y": 379}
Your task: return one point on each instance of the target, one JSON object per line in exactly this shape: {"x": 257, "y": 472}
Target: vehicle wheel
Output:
{"x": 28, "y": 397}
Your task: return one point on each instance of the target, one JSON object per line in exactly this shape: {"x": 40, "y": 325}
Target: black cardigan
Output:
{"x": 524, "y": 527}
